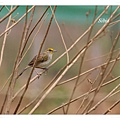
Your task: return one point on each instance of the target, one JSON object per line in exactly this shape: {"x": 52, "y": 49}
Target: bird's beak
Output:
{"x": 55, "y": 50}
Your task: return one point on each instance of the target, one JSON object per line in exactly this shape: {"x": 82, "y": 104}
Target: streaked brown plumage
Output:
{"x": 44, "y": 58}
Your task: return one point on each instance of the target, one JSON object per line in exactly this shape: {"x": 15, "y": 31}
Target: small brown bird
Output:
{"x": 43, "y": 60}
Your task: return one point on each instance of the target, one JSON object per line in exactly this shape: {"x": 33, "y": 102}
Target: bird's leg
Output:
{"x": 37, "y": 74}
{"x": 46, "y": 69}
{"x": 43, "y": 68}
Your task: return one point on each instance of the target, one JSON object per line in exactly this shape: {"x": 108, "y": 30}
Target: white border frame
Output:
{"x": 59, "y": 2}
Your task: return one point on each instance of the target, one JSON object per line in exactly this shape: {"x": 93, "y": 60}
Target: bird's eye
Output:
{"x": 50, "y": 50}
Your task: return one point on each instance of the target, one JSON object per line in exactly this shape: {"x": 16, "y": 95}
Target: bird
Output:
{"x": 43, "y": 60}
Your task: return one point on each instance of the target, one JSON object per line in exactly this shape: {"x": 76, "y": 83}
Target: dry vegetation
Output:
{"x": 84, "y": 77}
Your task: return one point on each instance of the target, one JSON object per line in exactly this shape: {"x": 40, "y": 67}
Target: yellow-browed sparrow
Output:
{"x": 43, "y": 60}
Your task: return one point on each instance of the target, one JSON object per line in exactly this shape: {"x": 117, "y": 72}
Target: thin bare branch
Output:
{"x": 61, "y": 37}
{"x": 13, "y": 25}
{"x": 27, "y": 85}
{"x": 79, "y": 97}
{"x": 5, "y": 38}
{"x": 1, "y": 20}
{"x": 114, "y": 105}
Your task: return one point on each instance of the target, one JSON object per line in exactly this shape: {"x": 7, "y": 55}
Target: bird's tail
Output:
{"x": 22, "y": 72}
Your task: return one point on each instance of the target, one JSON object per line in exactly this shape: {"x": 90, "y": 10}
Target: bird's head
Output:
{"x": 51, "y": 50}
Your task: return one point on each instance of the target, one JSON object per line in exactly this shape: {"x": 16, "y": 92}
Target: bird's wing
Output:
{"x": 41, "y": 58}
{"x": 32, "y": 61}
